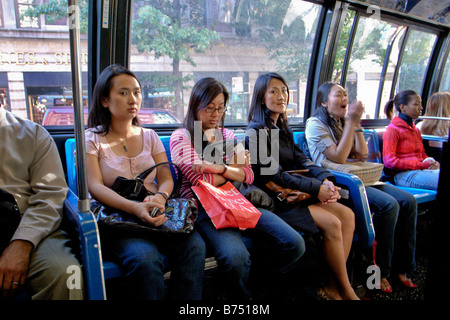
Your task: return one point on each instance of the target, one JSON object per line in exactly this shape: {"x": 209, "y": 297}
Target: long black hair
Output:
{"x": 203, "y": 93}
{"x": 322, "y": 113}
{"x": 258, "y": 110}
{"x": 403, "y": 97}
{"x": 99, "y": 116}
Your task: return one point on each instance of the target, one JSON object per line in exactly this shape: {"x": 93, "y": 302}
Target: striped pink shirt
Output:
{"x": 184, "y": 155}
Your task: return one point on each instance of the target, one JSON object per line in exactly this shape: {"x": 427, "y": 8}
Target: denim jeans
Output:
{"x": 422, "y": 179}
{"x": 233, "y": 257}
{"x": 144, "y": 261}
{"x": 394, "y": 218}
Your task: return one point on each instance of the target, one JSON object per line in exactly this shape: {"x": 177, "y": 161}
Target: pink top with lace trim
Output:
{"x": 112, "y": 165}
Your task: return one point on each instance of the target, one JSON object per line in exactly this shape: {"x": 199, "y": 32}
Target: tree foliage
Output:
{"x": 57, "y": 10}
{"x": 154, "y": 31}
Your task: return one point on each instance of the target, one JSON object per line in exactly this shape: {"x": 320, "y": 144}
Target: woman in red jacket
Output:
{"x": 403, "y": 150}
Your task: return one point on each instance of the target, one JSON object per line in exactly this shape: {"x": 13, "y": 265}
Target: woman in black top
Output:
{"x": 268, "y": 131}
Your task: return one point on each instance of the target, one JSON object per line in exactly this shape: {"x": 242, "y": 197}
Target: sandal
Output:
{"x": 407, "y": 282}
{"x": 385, "y": 286}
{"x": 321, "y": 294}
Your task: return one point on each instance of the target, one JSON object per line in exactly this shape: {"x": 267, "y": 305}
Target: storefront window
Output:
{"x": 35, "y": 70}
{"x": 24, "y": 21}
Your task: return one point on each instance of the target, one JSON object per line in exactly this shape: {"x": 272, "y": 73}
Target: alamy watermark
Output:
{"x": 73, "y": 19}
{"x": 374, "y": 279}
{"x": 74, "y": 280}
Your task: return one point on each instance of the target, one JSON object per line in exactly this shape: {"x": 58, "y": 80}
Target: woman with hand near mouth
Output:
{"x": 334, "y": 132}
{"x": 403, "y": 149}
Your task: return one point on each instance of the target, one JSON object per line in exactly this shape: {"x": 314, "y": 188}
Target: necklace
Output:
{"x": 124, "y": 145}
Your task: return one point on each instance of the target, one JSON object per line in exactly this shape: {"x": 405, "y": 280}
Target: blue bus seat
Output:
{"x": 71, "y": 165}
{"x": 85, "y": 225}
{"x": 364, "y": 233}
{"x": 374, "y": 145}
{"x": 96, "y": 271}
{"x": 166, "y": 142}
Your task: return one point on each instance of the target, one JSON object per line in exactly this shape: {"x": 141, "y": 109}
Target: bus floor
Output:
{"x": 303, "y": 282}
{"x": 308, "y": 276}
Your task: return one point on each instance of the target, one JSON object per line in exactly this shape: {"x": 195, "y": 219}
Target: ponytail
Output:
{"x": 389, "y": 109}
{"x": 402, "y": 97}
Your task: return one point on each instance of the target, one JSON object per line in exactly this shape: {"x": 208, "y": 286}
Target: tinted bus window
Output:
{"x": 445, "y": 82}
{"x": 366, "y": 61}
{"x": 415, "y": 61}
{"x": 233, "y": 41}
{"x": 374, "y": 39}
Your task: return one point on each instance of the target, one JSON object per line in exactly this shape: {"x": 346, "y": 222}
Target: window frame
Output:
{"x": 17, "y": 13}
{"x": 437, "y": 57}
{"x": 330, "y": 22}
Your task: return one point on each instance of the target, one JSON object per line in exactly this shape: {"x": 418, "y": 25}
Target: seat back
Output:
{"x": 374, "y": 139}
{"x": 71, "y": 165}
{"x": 373, "y": 145}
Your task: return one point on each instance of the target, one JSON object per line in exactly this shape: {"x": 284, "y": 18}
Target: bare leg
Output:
{"x": 337, "y": 242}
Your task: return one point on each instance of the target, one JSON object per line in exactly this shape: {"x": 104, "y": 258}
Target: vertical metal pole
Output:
{"x": 73, "y": 11}
{"x": 74, "y": 32}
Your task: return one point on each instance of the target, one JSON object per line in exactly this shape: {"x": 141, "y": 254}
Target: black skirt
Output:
{"x": 297, "y": 215}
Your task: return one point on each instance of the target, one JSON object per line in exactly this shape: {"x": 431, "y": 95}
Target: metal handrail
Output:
{"x": 434, "y": 118}
{"x": 74, "y": 32}
{"x": 73, "y": 19}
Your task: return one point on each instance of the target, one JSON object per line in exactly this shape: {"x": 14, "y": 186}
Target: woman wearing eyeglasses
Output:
{"x": 204, "y": 124}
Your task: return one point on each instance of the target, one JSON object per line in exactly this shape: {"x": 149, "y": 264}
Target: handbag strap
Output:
{"x": 141, "y": 176}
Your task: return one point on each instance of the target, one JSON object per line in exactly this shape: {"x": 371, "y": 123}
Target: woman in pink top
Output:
{"x": 117, "y": 146}
{"x": 204, "y": 124}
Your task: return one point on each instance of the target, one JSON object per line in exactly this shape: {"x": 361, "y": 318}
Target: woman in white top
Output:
{"x": 334, "y": 132}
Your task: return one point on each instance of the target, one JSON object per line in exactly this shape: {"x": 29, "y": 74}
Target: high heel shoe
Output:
{"x": 408, "y": 283}
{"x": 385, "y": 286}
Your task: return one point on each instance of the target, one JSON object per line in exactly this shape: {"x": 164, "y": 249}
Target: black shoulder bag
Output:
{"x": 9, "y": 218}
{"x": 181, "y": 213}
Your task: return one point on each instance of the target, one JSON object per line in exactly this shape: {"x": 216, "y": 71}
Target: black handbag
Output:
{"x": 181, "y": 213}
{"x": 9, "y": 218}
{"x": 256, "y": 196}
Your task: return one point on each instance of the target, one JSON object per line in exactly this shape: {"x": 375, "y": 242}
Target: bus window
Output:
{"x": 415, "y": 59}
{"x": 342, "y": 46}
{"x": 233, "y": 41}
{"x": 445, "y": 82}
{"x": 366, "y": 62}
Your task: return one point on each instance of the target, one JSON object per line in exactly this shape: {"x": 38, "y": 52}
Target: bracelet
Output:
{"x": 163, "y": 194}
{"x": 359, "y": 130}
{"x": 225, "y": 168}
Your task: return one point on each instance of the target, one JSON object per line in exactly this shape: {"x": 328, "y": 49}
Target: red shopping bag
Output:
{"x": 226, "y": 206}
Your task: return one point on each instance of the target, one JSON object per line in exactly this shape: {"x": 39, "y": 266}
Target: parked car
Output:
{"x": 64, "y": 117}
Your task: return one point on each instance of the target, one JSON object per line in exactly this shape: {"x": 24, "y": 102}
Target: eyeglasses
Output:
{"x": 211, "y": 109}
